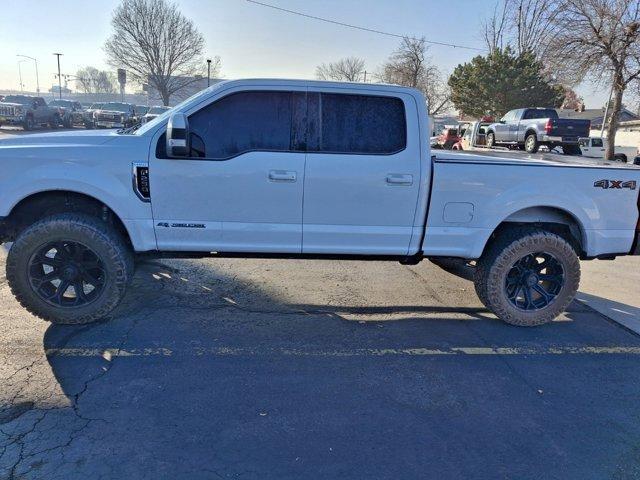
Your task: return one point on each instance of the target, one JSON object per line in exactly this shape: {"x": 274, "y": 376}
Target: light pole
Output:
{"x": 37, "y": 78}
{"x": 20, "y": 75}
{"x": 208, "y": 72}
{"x": 59, "y": 77}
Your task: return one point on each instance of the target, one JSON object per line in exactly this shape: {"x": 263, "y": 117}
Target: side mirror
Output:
{"x": 178, "y": 136}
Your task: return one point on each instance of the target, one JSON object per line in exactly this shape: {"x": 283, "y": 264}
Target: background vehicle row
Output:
{"x": 30, "y": 112}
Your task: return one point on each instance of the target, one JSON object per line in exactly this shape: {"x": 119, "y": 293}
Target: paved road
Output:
{"x": 263, "y": 369}
{"x": 260, "y": 369}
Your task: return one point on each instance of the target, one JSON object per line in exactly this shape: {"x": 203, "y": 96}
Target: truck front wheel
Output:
{"x": 491, "y": 139}
{"x": 69, "y": 268}
{"x": 528, "y": 276}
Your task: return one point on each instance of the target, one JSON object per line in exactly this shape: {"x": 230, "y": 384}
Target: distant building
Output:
{"x": 595, "y": 115}
{"x": 55, "y": 89}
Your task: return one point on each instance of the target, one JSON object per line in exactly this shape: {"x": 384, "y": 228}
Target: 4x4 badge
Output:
{"x": 617, "y": 184}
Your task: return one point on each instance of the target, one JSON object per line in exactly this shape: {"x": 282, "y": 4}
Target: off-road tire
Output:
{"x": 101, "y": 238}
{"x": 531, "y": 144}
{"x": 55, "y": 122}
{"x": 499, "y": 258}
{"x": 28, "y": 124}
{"x": 491, "y": 139}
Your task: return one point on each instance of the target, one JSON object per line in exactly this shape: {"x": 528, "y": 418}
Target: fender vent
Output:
{"x": 141, "y": 181}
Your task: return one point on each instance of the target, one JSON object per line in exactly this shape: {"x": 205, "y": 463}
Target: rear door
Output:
{"x": 362, "y": 172}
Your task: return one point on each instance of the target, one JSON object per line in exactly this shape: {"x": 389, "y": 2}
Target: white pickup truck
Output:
{"x": 595, "y": 147}
{"x": 305, "y": 169}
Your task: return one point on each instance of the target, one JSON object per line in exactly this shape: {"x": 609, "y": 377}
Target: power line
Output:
{"x": 365, "y": 29}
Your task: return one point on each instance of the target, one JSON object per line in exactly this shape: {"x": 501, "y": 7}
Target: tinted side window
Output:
{"x": 362, "y": 124}
{"x": 243, "y": 122}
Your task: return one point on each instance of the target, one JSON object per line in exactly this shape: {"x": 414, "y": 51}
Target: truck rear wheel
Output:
{"x": 69, "y": 268}
{"x": 528, "y": 276}
{"x": 531, "y": 144}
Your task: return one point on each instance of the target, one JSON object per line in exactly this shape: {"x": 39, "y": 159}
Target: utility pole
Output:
{"x": 606, "y": 112}
{"x": 37, "y": 78}
{"x": 20, "y": 74}
{"x": 59, "y": 77}
{"x": 365, "y": 76}
{"x": 208, "y": 72}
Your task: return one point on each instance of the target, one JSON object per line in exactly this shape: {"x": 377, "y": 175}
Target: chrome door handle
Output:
{"x": 399, "y": 179}
{"x": 282, "y": 176}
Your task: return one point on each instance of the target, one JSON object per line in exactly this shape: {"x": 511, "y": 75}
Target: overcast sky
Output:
{"x": 252, "y": 41}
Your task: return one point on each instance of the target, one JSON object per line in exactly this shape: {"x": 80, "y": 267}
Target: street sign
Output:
{"x": 122, "y": 76}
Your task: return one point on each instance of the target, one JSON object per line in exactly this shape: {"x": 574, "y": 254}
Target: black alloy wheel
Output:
{"x": 67, "y": 274}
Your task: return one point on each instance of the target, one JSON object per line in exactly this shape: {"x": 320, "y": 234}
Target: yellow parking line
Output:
{"x": 109, "y": 353}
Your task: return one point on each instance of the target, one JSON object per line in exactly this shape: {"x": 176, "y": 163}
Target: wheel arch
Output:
{"x": 528, "y": 132}
{"x": 553, "y": 219}
{"x": 41, "y": 204}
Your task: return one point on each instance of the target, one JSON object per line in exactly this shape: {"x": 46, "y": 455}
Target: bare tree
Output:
{"x": 409, "y": 66}
{"x": 154, "y": 42}
{"x": 494, "y": 28}
{"x": 600, "y": 39}
{"x": 533, "y": 25}
{"x": 349, "y": 69}
{"x": 92, "y": 80}
{"x": 524, "y": 25}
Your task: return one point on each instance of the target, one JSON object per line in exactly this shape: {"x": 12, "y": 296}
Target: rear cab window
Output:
{"x": 356, "y": 124}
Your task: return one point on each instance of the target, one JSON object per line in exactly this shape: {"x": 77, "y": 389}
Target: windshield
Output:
{"x": 158, "y": 110}
{"x": 18, "y": 99}
{"x": 149, "y": 125}
{"x": 95, "y": 106}
{"x": 117, "y": 107}
{"x": 141, "y": 110}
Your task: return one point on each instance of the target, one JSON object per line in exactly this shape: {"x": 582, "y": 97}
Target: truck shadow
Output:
{"x": 212, "y": 371}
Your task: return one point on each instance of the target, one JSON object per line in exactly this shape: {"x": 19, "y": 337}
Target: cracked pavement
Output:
{"x": 256, "y": 369}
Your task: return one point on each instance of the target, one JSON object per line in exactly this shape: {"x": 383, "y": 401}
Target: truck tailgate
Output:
{"x": 567, "y": 127}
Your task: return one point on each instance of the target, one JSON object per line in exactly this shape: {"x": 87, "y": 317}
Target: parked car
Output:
{"x": 529, "y": 128}
{"x": 140, "y": 112}
{"x": 223, "y": 175}
{"x": 71, "y": 112}
{"x": 448, "y": 138}
{"x": 115, "y": 115}
{"x": 595, "y": 147}
{"x": 154, "y": 112}
{"x": 89, "y": 120}
{"x": 28, "y": 112}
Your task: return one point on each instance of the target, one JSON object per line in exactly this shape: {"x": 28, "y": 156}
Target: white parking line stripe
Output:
{"x": 109, "y": 353}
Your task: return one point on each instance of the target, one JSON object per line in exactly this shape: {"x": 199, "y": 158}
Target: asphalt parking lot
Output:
{"x": 261, "y": 369}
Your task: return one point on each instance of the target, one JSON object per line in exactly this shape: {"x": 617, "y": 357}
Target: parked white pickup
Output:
{"x": 595, "y": 147}
{"x": 303, "y": 169}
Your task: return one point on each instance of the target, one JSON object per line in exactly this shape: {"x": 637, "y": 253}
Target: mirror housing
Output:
{"x": 178, "y": 136}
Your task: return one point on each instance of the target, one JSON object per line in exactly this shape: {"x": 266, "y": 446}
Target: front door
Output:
{"x": 362, "y": 173}
{"x": 241, "y": 190}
